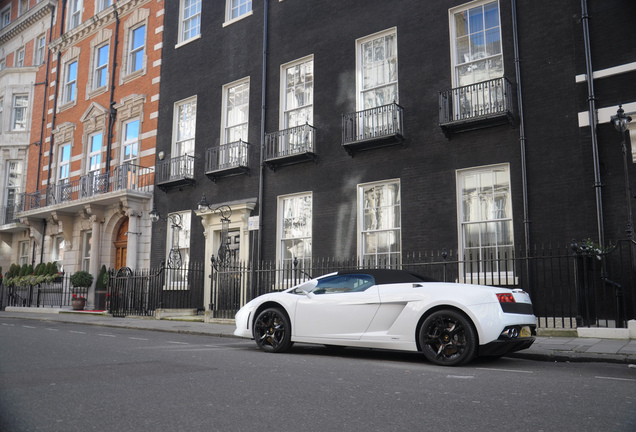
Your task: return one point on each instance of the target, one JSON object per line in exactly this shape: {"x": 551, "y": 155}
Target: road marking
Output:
{"x": 615, "y": 379}
{"x": 26, "y": 326}
{"x": 52, "y": 329}
{"x": 106, "y": 335}
{"x": 178, "y": 343}
{"x": 505, "y": 370}
{"x": 5, "y": 324}
{"x": 460, "y": 376}
{"x": 136, "y": 338}
{"x": 77, "y": 332}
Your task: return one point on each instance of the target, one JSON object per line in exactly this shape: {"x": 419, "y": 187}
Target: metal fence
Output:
{"x": 143, "y": 291}
{"x": 58, "y": 293}
{"x": 570, "y": 286}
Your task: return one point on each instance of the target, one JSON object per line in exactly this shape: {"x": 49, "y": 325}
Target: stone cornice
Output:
{"x": 31, "y": 17}
{"x": 94, "y": 24}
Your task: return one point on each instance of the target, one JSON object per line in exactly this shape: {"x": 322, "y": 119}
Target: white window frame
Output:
{"x": 290, "y": 208}
{"x": 494, "y": 216}
{"x": 69, "y": 94}
{"x": 100, "y": 69}
{"x": 13, "y": 181}
{"x": 3, "y": 63}
{"x": 100, "y": 5}
{"x": 453, "y": 45}
{"x": 230, "y": 6}
{"x": 87, "y": 240}
{"x": 184, "y": 22}
{"x": 5, "y": 16}
{"x": 40, "y": 50}
{"x": 63, "y": 165}
{"x": 184, "y": 133}
{"x": 23, "y": 252}
{"x": 392, "y": 234}
{"x": 360, "y": 62}
{"x": 74, "y": 14}
{"x": 226, "y": 119}
{"x": 94, "y": 157}
{"x": 284, "y": 107}
{"x": 23, "y": 7}
{"x": 127, "y": 142}
{"x": 133, "y": 51}
{"x": 57, "y": 251}
{"x": 19, "y": 57}
{"x": 20, "y": 112}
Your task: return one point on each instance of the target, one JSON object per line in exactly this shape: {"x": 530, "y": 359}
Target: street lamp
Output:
{"x": 620, "y": 121}
{"x": 174, "y": 256}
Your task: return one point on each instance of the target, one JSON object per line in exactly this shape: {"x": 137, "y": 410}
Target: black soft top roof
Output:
{"x": 388, "y": 276}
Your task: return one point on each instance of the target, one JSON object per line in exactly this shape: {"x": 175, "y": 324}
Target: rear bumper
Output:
{"x": 502, "y": 347}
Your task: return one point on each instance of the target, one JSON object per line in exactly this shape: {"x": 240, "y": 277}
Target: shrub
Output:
{"x": 102, "y": 279}
{"x": 81, "y": 278}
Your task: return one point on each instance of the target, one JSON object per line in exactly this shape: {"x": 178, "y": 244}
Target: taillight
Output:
{"x": 506, "y": 298}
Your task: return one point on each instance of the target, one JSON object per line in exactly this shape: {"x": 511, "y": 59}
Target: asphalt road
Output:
{"x": 67, "y": 377}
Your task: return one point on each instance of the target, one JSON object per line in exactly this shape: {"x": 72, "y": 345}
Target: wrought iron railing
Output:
{"x": 126, "y": 176}
{"x": 294, "y": 141}
{"x": 227, "y": 156}
{"x": 373, "y": 123}
{"x": 476, "y": 101}
{"x": 57, "y": 293}
{"x": 8, "y": 214}
{"x": 176, "y": 168}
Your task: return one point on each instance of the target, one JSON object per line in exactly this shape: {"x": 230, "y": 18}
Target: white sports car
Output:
{"x": 450, "y": 323}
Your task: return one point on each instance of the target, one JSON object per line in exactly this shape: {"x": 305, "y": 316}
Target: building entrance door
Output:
{"x": 121, "y": 245}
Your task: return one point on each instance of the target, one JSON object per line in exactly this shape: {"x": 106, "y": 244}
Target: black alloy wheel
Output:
{"x": 447, "y": 338}
{"x": 272, "y": 331}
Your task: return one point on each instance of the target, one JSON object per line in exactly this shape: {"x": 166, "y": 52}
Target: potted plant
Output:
{"x": 80, "y": 279}
{"x": 101, "y": 284}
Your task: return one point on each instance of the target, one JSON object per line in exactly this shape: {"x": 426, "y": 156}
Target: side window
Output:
{"x": 344, "y": 284}
{"x": 190, "y": 22}
{"x": 237, "y": 9}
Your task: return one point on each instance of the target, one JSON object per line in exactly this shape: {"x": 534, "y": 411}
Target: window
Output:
{"x": 137, "y": 49}
{"x": 14, "y": 184}
{"x": 64, "y": 163}
{"x": 24, "y": 7}
{"x": 70, "y": 84}
{"x": 377, "y": 63}
{"x": 94, "y": 153}
{"x": 1, "y": 112}
{"x": 485, "y": 220}
{"x": 190, "y": 24}
{"x": 74, "y": 13}
{"x": 476, "y": 43}
{"x": 295, "y": 230}
{"x": 57, "y": 252}
{"x": 20, "y": 112}
{"x": 102, "y": 4}
{"x": 5, "y": 16}
{"x": 236, "y": 9}
{"x": 101, "y": 67}
{"x": 236, "y": 105}
{"x": 379, "y": 210}
{"x": 343, "y": 284}
{"x": 3, "y": 63}
{"x": 185, "y": 119}
{"x": 130, "y": 145}
{"x": 19, "y": 58}
{"x": 23, "y": 250}
{"x": 87, "y": 238}
{"x": 297, "y": 93}
{"x": 40, "y": 51}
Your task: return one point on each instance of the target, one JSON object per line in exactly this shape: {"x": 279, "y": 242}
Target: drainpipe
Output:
{"x": 112, "y": 112}
{"x": 263, "y": 111}
{"x": 522, "y": 133}
{"x": 44, "y": 103}
{"x": 593, "y": 119}
{"x": 57, "y": 92}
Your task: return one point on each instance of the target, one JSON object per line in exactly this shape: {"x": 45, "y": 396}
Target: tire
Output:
{"x": 272, "y": 331}
{"x": 447, "y": 338}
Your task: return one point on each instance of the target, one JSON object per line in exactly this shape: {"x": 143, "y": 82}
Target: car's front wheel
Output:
{"x": 447, "y": 338}
{"x": 272, "y": 331}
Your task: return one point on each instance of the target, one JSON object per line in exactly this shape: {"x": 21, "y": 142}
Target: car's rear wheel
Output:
{"x": 272, "y": 331}
{"x": 448, "y": 338}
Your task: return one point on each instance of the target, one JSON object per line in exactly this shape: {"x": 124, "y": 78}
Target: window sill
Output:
{"x": 133, "y": 75}
{"x": 66, "y": 105}
{"x": 185, "y": 42}
{"x": 232, "y": 21}
{"x": 92, "y": 93}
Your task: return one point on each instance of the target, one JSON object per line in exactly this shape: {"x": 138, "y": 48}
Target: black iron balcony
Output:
{"x": 227, "y": 160}
{"x": 8, "y": 214}
{"x": 290, "y": 146}
{"x": 476, "y": 106}
{"x": 127, "y": 176}
{"x": 175, "y": 172}
{"x": 372, "y": 128}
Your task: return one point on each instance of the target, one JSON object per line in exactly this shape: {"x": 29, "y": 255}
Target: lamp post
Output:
{"x": 176, "y": 223}
{"x": 225, "y": 212}
{"x": 620, "y": 121}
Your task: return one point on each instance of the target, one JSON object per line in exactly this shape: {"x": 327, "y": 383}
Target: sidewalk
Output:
{"x": 545, "y": 348}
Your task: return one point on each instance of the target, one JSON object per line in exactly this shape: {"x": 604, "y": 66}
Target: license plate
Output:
{"x": 525, "y": 332}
